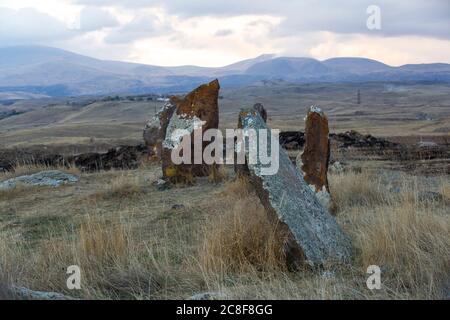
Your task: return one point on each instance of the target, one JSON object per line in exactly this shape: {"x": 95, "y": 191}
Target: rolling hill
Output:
{"x": 36, "y": 71}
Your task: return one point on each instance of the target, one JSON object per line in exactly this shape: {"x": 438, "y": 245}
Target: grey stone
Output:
{"x": 262, "y": 111}
{"x": 52, "y": 178}
{"x": 312, "y": 234}
{"x": 209, "y": 296}
{"x": 155, "y": 130}
{"x": 27, "y": 294}
{"x": 430, "y": 196}
{"x": 426, "y": 144}
{"x": 162, "y": 185}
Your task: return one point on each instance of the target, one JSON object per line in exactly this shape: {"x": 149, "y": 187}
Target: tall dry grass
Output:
{"x": 237, "y": 251}
{"x": 241, "y": 240}
{"x": 121, "y": 186}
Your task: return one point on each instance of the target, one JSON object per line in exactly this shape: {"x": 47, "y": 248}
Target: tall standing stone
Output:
{"x": 314, "y": 160}
{"x": 155, "y": 131}
{"x": 312, "y": 234}
{"x": 199, "y": 111}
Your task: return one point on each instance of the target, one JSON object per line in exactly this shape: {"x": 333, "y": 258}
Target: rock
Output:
{"x": 9, "y": 158}
{"x": 178, "y": 207}
{"x": 311, "y": 234}
{"x": 155, "y": 131}
{"x": 314, "y": 160}
{"x": 122, "y": 157}
{"x": 162, "y": 185}
{"x": 51, "y": 178}
{"x": 354, "y": 139}
{"x": 430, "y": 196}
{"x": 423, "y": 116}
{"x": 336, "y": 168}
{"x": 197, "y": 111}
{"x": 349, "y": 139}
{"x": 262, "y": 112}
{"x": 292, "y": 139}
{"x": 27, "y": 294}
{"x": 427, "y": 144}
{"x": 6, "y": 292}
{"x": 208, "y": 296}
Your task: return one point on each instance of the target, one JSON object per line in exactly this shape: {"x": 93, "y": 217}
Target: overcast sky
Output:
{"x": 216, "y": 33}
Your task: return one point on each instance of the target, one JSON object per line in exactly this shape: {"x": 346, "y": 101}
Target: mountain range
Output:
{"x": 37, "y": 71}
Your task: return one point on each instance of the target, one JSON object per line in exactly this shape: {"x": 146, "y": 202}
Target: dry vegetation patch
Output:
{"x": 134, "y": 241}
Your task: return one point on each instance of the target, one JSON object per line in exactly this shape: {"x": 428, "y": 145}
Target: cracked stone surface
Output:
{"x": 312, "y": 233}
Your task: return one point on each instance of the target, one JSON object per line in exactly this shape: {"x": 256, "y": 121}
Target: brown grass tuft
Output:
{"x": 241, "y": 238}
{"x": 122, "y": 186}
{"x": 353, "y": 189}
{"x": 411, "y": 244}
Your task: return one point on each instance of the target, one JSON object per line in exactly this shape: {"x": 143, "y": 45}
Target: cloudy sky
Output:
{"x": 216, "y": 33}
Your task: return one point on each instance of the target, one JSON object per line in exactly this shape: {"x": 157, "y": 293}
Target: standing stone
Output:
{"x": 198, "y": 110}
{"x": 155, "y": 131}
{"x": 260, "y": 108}
{"x": 312, "y": 234}
{"x": 314, "y": 160}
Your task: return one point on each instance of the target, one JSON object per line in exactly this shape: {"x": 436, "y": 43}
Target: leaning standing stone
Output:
{"x": 312, "y": 234}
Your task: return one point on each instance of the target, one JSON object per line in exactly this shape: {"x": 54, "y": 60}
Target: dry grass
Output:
{"x": 409, "y": 242}
{"x": 226, "y": 244}
{"x": 121, "y": 186}
{"x": 241, "y": 240}
{"x": 351, "y": 189}
{"x": 444, "y": 189}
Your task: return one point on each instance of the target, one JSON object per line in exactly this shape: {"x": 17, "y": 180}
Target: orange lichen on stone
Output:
{"x": 198, "y": 110}
{"x": 202, "y": 103}
{"x": 316, "y": 154}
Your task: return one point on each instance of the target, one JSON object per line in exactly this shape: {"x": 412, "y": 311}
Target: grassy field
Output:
{"x": 385, "y": 110}
{"x": 134, "y": 241}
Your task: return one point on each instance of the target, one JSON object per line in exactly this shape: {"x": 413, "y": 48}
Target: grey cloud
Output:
{"x": 223, "y": 33}
{"x": 92, "y": 18}
{"x": 28, "y": 25}
{"x": 413, "y": 17}
{"x": 142, "y": 26}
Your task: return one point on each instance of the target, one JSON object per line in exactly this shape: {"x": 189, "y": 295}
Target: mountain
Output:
{"x": 356, "y": 65}
{"x": 289, "y": 68}
{"x": 43, "y": 71}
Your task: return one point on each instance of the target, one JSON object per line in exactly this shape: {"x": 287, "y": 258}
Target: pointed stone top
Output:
{"x": 316, "y": 109}
{"x": 200, "y": 101}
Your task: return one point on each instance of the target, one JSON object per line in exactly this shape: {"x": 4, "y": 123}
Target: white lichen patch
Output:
{"x": 179, "y": 126}
{"x": 155, "y": 121}
{"x": 314, "y": 109}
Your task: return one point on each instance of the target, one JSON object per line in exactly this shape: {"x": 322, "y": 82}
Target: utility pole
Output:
{"x": 358, "y": 97}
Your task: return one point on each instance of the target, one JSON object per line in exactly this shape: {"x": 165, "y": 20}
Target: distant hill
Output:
{"x": 36, "y": 71}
